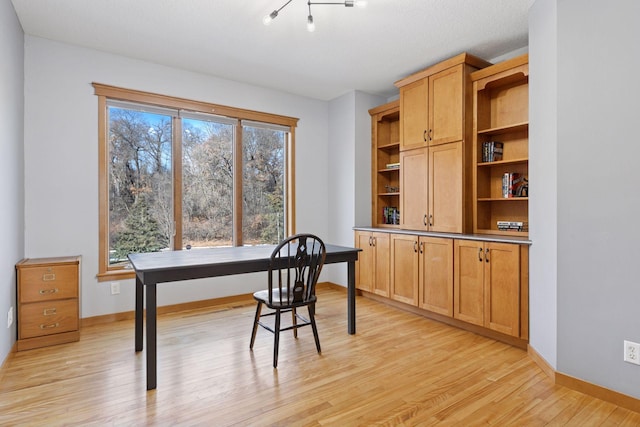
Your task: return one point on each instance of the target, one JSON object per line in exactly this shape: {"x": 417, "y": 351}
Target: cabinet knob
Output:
{"x": 415, "y": 246}
{"x": 430, "y": 132}
{"x": 421, "y": 247}
{"x": 486, "y": 255}
{"x": 480, "y": 254}
{"x": 370, "y": 242}
{"x": 424, "y": 135}
{"x": 430, "y": 220}
{"x": 424, "y": 220}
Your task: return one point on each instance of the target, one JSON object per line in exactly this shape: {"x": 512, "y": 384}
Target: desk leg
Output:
{"x": 139, "y": 313}
{"x": 351, "y": 297}
{"x": 151, "y": 337}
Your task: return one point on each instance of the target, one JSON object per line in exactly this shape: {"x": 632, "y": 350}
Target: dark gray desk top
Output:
{"x": 171, "y": 266}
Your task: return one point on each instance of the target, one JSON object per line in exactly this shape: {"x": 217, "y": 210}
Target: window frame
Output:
{"x": 107, "y": 92}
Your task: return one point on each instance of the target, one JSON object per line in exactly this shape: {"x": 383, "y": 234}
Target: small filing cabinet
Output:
{"x": 48, "y": 301}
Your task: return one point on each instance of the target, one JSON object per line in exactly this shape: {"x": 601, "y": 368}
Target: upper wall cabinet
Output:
{"x": 435, "y": 146}
{"x": 501, "y": 148}
{"x": 432, "y": 103}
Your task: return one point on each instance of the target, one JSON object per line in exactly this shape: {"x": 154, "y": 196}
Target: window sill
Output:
{"x": 116, "y": 275}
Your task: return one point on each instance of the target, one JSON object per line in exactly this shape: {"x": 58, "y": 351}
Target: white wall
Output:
{"x": 61, "y": 157}
{"x": 349, "y": 171}
{"x": 543, "y": 178}
{"x": 598, "y": 198}
{"x": 11, "y": 167}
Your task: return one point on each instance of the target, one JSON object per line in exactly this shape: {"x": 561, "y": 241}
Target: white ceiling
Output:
{"x": 352, "y": 49}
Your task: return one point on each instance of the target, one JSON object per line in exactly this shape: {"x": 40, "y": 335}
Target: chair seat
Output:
{"x": 263, "y": 296}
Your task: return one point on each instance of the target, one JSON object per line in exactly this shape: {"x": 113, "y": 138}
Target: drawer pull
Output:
{"x": 48, "y": 291}
{"x": 50, "y": 326}
{"x": 48, "y": 277}
{"x": 48, "y": 311}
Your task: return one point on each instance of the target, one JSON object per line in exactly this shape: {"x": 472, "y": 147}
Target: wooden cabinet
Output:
{"x": 501, "y": 116}
{"x": 404, "y": 268}
{"x": 436, "y": 275}
{"x": 414, "y": 181}
{"x": 372, "y": 268}
{"x": 385, "y": 163}
{"x": 432, "y": 108}
{"x": 487, "y": 285}
{"x": 48, "y": 301}
{"x": 433, "y": 192}
{"x": 435, "y": 150}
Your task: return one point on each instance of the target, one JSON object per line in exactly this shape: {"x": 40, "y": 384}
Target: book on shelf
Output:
{"x": 390, "y": 215}
{"x": 513, "y": 225}
{"x": 393, "y": 165}
{"x": 492, "y": 151}
{"x": 514, "y": 185}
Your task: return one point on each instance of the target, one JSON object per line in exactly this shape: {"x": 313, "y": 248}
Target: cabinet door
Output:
{"x": 445, "y": 188}
{"x": 381, "y": 243}
{"x": 413, "y": 183}
{"x": 468, "y": 278}
{"x": 404, "y": 268}
{"x": 446, "y": 106}
{"x": 502, "y": 288}
{"x": 436, "y": 275}
{"x": 366, "y": 259}
{"x": 414, "y": 108}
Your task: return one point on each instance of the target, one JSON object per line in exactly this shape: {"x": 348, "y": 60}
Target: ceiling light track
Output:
{"x": 311, "y": 26}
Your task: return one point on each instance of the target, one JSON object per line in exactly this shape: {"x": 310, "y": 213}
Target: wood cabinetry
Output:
{"x": 487, "y": 285}
{"x": 422, "y": 272}
{"x": 404, "y": 268}
{"x": 48, "y": 301}
{"x": 385, "y": 162}
{"x": 501, "y": 97}
{"x": 436, "y": 275}
{"x": 435, "y": 127}
{"x": 432, "y": 107}
{"x": 372, "y": 268}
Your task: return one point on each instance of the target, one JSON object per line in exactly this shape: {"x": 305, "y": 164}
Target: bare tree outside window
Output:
{"x": 141, "y": 181}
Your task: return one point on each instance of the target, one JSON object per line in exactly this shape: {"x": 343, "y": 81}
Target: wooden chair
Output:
{"x": 294, "y": 269}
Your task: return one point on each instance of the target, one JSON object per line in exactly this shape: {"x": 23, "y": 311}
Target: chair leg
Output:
{"x": 276, "y": 339}
{"x": 255, "y": 325}
{"x": 312, "y": 319}
{"x": 294, "y": 319}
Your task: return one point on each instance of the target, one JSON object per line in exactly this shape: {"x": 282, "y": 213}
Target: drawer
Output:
{"x": 46, "y": 283}
{"x": 45, "y": 318}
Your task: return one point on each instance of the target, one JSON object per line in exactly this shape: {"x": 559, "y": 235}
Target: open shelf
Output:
{"x": 385, "y": 142}
{"x": 501, "y": 100}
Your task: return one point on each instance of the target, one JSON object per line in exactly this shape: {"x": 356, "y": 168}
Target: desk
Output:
{"x": 160, "y": 267}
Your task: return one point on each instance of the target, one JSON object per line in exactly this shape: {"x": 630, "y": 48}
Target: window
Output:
{"x": 173, "y": 175}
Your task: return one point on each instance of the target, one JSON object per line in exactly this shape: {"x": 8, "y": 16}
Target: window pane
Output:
{"x": 140, "y": 188}
{"x": 207, "y": 179}
{"x": 263, "y": 185}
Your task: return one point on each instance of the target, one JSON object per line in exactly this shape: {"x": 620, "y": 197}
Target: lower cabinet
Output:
{"x": 477, "y": 282}
{"x": 487, "y": 285}
{"x": 404, "y": 268}
{"x": 436, "y": 275}
{"x": 372, "y": 268}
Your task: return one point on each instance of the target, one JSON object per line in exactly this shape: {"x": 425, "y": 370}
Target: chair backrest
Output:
{"x": 295, "y": 267}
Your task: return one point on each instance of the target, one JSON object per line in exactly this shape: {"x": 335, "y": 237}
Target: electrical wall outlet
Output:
{"x": 10, "y": 317}
{"x": 115, "y": 288}
{"x": 632, "y": 352}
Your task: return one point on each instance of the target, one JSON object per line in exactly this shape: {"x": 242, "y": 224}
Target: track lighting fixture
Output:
{"x": 311, "y": 26}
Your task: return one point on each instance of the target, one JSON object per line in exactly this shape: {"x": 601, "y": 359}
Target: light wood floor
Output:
{"x": 399, "y": 369}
